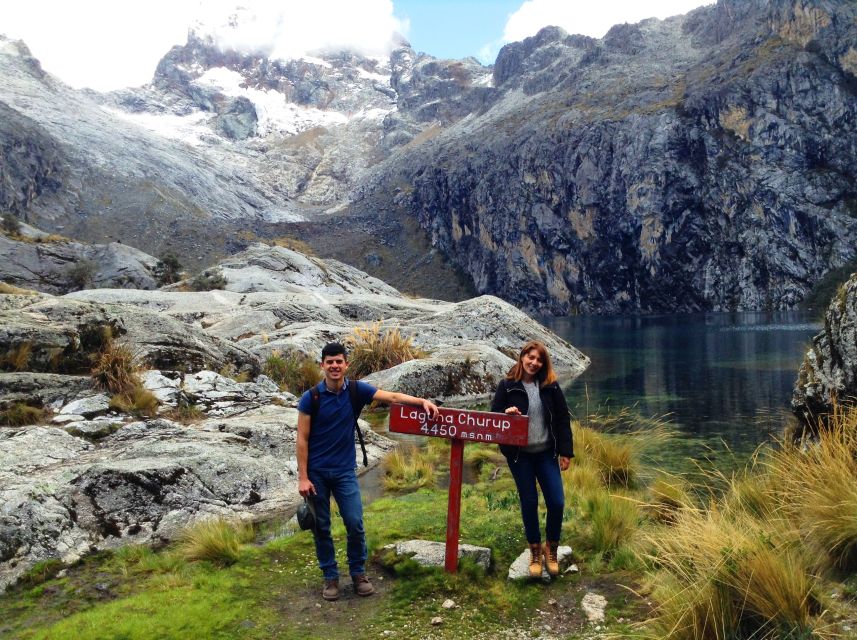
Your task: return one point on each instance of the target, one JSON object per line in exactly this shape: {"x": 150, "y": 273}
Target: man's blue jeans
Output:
{"x": 527, "y": 468}
{"x": 342, "y": 485}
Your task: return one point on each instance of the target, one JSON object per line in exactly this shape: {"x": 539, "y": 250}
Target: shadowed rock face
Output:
{"x": 828, "y": 374}
{"x": 704, "y": 162}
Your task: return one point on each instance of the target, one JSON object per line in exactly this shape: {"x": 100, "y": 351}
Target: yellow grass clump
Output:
{"x": 407, "y": 469}
{"x": 215, "y": 540}
{"x": 292, "y": 372}
{"x": 373, "y": 349}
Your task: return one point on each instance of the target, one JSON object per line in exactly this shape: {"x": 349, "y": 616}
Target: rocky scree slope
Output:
{"x": 704, "y": 162}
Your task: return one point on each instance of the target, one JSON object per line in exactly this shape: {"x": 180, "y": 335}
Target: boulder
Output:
{"x": 52, "y": 390}
{"x": 63, "y": 334}
{"x": 520, "y": 568}
{"x": 63, "y": 496}
{"x": 828, "y": 373}
{"x": 452, "y": 373}
{"x": 433, "y": 554}
{"x": 57, "y": 265}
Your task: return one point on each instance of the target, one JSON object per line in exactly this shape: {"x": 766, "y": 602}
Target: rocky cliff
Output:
{"x": 828, "y": 374}
{"x": 705, "y": 162}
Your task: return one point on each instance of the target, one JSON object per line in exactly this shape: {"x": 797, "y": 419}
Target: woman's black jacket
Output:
{"x": 511, "y": 393}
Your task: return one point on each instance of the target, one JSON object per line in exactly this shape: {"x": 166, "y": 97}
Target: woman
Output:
{"x": 530, "y": 388}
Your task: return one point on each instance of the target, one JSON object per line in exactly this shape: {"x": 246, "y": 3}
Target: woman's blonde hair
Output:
{"x": 546, "y": 374}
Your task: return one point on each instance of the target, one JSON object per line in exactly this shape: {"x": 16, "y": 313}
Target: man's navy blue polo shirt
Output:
{"x": 331, "y": 434}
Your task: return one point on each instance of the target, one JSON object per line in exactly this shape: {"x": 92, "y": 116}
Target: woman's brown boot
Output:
{"x": 551, "y": 560}
{"x": 536, "y": 560}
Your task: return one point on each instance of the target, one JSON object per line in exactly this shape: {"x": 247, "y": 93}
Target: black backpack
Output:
{"x": 356, "y": 409}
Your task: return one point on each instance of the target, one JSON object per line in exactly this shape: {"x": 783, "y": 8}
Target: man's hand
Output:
{"x": 306, "y": 488}
{"x": 430, "y": 408}
{"x": 513, "y": 411}
{"x": 564, "y": 463}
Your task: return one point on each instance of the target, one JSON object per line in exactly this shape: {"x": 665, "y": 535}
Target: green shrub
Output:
{"x": 80, "y": 274}
{"x": 208, "y": 281}
{"x": 372, "y": 349}
{"x": 169, "y": 269}
{"x": 292, "y": 372}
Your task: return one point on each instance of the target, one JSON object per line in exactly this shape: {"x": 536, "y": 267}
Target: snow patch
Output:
{"x": 191, "y": 129}
{"x": 282, "y": 215}
{"x": 377, "y": 77}
{"x": 8, "y": 48}
{"x": 275, "y": 114}
{"x": 317, "y": 61}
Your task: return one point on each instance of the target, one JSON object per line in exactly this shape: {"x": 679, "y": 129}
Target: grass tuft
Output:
{"x": 407, "y": 469}
{"x": 139, "y": 402}
{"x": 292, "y": 372}
{"x": 20, "y": 414}
{"x": 18, "y": 357}
{"x": 215, "y": 540}
{"x": 372, "y": 349}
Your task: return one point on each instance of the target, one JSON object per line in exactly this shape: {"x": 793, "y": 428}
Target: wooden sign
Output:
{"x": 458, "y": 425}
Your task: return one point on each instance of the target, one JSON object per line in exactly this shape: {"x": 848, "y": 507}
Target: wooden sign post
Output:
{"x": 459, "y": 426}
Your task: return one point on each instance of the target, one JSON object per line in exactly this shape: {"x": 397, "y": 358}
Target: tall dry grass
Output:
{"x": 371, "y": 349}
{"x": 751, "y": 564}
{"x": 292, "y": 372}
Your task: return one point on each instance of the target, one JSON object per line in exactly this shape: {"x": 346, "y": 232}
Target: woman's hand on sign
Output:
{"x": 513, "y": 411}
{"x": 564, "y": 463}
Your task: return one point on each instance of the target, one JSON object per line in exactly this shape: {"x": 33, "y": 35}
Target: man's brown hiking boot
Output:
{"x": 331, "y": 589}
{"x": 551, "y": 560}
{"x": 362, "y": 586}
{"x": 536, "y": 560}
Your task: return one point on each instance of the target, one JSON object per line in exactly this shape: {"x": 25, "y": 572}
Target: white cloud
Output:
{"x": 100, "y": 44}
{"x": 104, "y": 44}
{"x": 583, "y": 16}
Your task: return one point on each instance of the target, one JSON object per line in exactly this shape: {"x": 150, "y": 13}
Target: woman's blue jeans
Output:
{"x": 527, "y": 468}
{"x": 342, "y": 485}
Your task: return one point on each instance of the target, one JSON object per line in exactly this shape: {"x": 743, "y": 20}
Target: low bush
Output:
{"x": 372, "y": 349}
{"x": 168, "y": 270}
{"x": 215, "y": 540}
{"x": 20, "y": 414}
{"x": 292, "y": 372}
{"x": 80, "y": 274}
{"x": 208, "y": 281}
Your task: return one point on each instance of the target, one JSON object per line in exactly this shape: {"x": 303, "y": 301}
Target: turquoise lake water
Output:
{"x": 723, "y": 381}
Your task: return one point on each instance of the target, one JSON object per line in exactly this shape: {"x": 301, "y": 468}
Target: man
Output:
{"x": 326, "y": 460}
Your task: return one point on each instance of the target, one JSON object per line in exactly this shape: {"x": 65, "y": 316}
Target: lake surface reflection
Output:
{"x": 723, "y": 380}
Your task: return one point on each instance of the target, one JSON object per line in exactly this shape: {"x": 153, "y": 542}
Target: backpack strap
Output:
{"x": 356, "y": 409}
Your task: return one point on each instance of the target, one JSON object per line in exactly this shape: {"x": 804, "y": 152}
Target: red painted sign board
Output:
{"x": 458, "y": 425}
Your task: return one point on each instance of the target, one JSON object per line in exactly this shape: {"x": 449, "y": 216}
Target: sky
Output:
{"x": 109, "y": 44}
